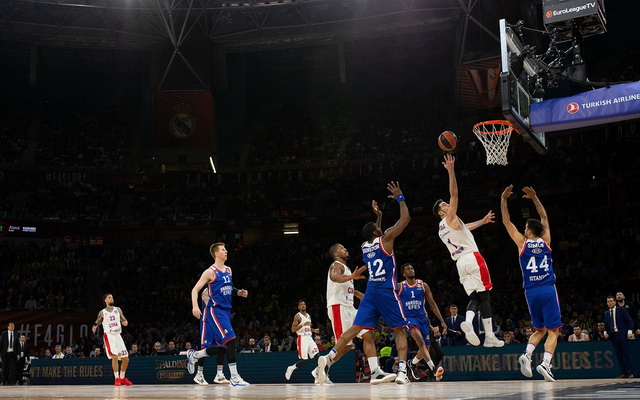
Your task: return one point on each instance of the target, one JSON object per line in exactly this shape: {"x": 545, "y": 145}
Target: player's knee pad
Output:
{"x": 474, "y": 302}
{"x": 485, "y": 304}
{"x": 231, "y": 351}
{"x": 301, "y": 363}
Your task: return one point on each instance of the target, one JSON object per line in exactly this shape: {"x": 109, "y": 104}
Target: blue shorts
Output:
{"x": 215, "y": 327}
{"x": 422, "y": 325}
{"x": 544, "y": 307}
{"x": 380, "y": 302}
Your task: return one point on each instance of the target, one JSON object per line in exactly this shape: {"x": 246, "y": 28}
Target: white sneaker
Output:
{"x": 220, "y": 379}
{"x": 191, "y": 361}
{"x": 525, "y": 365}
{"x": 402, "y": 378}
{"x": 545, "y": 371}
{"x": 290, "y": 369}
{"x": 322, "y": 373}
{"x": 199, "y": 379}
{"x": 328, "y": 381}
{"x": 471, "y": 336}
{"x": 379, "y": 376}
{"x": 492, "y": 341}
{"x": 238, "y": 381}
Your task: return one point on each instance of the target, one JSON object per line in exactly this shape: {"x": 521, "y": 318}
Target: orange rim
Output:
{"x": 509, "y": 127}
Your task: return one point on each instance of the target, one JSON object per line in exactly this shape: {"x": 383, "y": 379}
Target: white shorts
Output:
{"x": 306, "y": 347}
{"x": 342, "y": 318}
{"x": 114, "y": 346}
{"x": 473, "y": 272}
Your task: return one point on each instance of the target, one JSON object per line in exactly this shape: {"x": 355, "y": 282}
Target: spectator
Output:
{"x": 578, "y": 335}
{"x": 68, "y": 352}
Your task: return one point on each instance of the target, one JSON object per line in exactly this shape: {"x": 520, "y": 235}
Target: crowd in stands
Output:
{"x": 15, "y": 115}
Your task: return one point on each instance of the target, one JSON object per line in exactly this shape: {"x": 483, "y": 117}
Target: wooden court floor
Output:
{"x": 569, "y": 389}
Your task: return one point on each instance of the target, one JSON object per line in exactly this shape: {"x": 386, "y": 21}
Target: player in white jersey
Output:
{"x": 112, "y": 320}
{"x": 306, "y": 346}
{"x": 340, "y": 293}
{"x": 472, "y": 269}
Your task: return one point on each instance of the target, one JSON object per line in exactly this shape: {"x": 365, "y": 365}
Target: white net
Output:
{"x": 494, "y": 136}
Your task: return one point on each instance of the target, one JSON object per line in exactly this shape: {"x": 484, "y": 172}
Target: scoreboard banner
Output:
{"x": 600, "y": 106}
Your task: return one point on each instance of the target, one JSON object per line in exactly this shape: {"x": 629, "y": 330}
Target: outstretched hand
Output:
{"x": 357, "y": 274}
{"x": 489, "y": 218}
{"x": 529, "y": 193}
{"x": 394, "y": 188}
{"x": 507, "y": 192}
{"x": 376, "y": 209}
{"x": 449, "y": 162}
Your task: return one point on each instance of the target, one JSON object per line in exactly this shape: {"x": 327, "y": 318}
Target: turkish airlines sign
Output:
{"x": 600, "y": 106}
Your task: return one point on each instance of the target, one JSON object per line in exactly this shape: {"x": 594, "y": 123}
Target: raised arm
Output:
{"x": 206, "y": 277}
{"x": 376, "y": 210}
{"x": 531, "y": 194}
{"x": 488, "y": 219}
{"x": 337, "y": 274}
{"x": 391, "y": 233}
{"x": 516, "y": 236}
{"x": 452, "y": 214}
{"x": 434, "y": 306}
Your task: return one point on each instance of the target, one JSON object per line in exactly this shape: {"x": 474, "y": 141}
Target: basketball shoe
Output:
{"x": 125, "y": 382}
{"x": 439, "y": 374}
{"x": 492, "y": 341}
{"x": 545, "y": 370}
{"x": 379, "y": 376}
{"x": 220, "y": 379}
{"x": 327, "y": 381}
{"x": 402, "y": 378}
{"x": 413, "y": 370}
{"x": 238, "y": 381}
{"x": 290, "y": 369}
{"x": 525, "y": 365}
{"x": 471, "y": 336}
{"x": 191, "y": 361}
{"x": 118, "y": 382}
{"x": 199, "y": 379}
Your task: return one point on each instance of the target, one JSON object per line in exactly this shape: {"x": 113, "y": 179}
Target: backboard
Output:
{"x": 515, "y": 86}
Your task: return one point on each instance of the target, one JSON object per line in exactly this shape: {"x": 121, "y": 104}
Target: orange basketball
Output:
{"x": 447, "y": 140}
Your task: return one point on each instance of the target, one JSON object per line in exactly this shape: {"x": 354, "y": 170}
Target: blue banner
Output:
{"x": 584, "y": 360}
{"x": 600, "y": 106}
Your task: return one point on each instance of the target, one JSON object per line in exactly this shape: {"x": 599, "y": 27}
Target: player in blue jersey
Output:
{"x": 381, "y": 298}
{"x": 539, "y": 282}
{"x": 216, "y": 333}
{"x": 412, "y": 293}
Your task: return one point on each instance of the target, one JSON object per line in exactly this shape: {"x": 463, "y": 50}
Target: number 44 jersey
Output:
{"x": 536, "y": 264}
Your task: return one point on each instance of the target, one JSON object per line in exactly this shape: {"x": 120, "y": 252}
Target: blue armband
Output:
{"x": 400, "y": 198}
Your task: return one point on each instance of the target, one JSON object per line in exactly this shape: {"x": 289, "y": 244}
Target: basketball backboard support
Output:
{"x": 516, "y": 98}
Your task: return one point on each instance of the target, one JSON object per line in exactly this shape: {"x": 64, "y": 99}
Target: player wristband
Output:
{"x": 400, "y": 198}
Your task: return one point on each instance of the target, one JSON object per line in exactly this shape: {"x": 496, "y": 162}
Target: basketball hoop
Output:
{"x": 494, "y": 136}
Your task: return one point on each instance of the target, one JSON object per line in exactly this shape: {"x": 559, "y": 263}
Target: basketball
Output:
{"x": 447, "y": 140}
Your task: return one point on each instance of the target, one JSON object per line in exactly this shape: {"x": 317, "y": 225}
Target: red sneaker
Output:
{"x": 118, "y": 382}
{"x": 126, "y": 382}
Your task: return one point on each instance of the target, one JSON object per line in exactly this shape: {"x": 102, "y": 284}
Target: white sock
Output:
{"x": 402, "y": 366}
{"x": 373, "y": 363}
{"x": 415, "y": 360}
{"x": 546, "y": 359}
{"x": 116, "y": 375}
{"x": 293, "y": 366}
{"x": 332, "y": 354}
{"x": 530, "y": 349}
{"x": 431, "y": 364}
{"x": 219, "y": 371}
{"x": 469, "y": 316}
{"x": 122, "y": 374}
{"x": 488, "y": 327}
{"x": 234, "y": 371}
